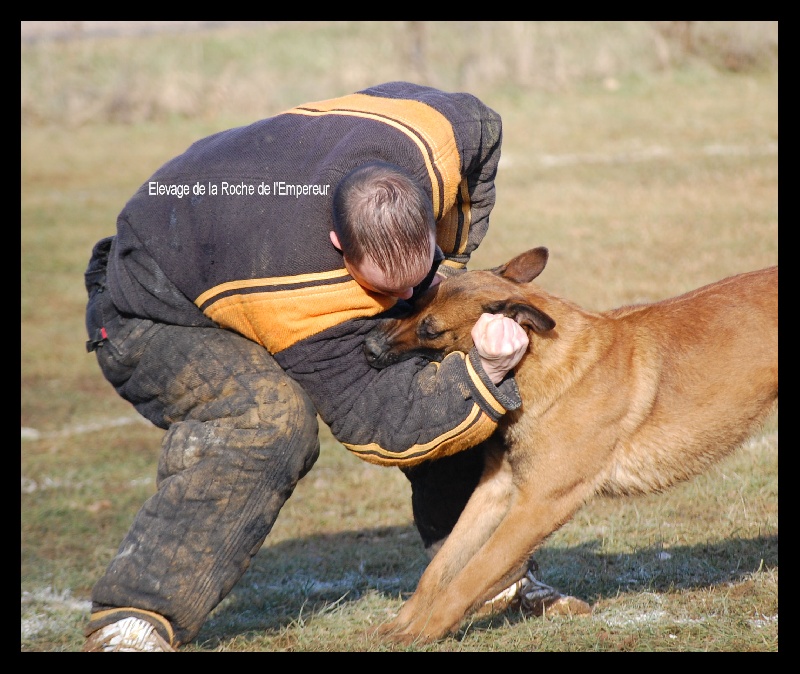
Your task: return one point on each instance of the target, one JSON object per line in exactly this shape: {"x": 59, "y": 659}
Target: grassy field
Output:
{"x": 644, "y": 155}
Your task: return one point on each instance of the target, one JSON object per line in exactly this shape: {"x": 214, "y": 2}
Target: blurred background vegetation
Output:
{"x": 643, "y": 154}
{"x": 85, "y": 72}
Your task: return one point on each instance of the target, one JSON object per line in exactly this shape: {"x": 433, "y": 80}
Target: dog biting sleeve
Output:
{"x": 410, "y": 412}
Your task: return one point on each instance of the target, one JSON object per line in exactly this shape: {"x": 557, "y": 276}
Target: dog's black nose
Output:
{"x": 372, "y": 349}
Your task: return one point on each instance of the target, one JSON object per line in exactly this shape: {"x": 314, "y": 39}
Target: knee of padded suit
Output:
{"x": 265, "y": 416}
{"x": 285, "y": 417}
{"x": 301, "y": 429}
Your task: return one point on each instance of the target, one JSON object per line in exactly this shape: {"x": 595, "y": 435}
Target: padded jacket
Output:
{"x": 234, "y": 233}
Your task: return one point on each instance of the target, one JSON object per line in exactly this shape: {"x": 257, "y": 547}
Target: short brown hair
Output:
{"x": 380, "y": 212}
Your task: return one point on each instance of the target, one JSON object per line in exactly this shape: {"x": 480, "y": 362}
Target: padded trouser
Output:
{"x": 439, "y": 491}
{"x": 240, "y": 434}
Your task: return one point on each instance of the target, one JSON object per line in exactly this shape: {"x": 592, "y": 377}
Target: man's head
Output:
{"x": 383, "y": 224}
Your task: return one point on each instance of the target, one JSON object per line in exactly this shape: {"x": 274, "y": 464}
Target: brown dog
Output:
{"x": 628, "y": 401}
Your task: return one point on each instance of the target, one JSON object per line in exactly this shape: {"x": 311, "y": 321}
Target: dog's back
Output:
{"x": 702, "y": 375}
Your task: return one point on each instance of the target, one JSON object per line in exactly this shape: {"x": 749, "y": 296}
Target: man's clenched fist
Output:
{"x": 500, "y": 342}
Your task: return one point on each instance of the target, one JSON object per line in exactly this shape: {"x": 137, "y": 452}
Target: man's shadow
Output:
{"x": 299, "y": 579}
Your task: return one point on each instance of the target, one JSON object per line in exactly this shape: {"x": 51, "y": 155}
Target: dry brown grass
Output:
{"x": 646, "y": 168}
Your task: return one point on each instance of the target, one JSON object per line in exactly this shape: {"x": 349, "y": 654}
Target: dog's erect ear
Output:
{"x": 528, "y": 316}
{"x": 524, "y": 267}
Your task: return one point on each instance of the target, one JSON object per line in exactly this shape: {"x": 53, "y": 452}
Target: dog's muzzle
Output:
{"x": 376, "y": 350}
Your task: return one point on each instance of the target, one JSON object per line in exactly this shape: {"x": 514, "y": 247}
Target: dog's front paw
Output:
{"x": 407, "y": 637}
{"x": 394, "y": 633}
{"x": 399, "y": 632}
{"x": 402, "y": 638}
{"x": 386, "y": 630}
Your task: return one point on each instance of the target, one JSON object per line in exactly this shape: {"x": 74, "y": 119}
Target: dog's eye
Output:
{"x": 427, "y": 330}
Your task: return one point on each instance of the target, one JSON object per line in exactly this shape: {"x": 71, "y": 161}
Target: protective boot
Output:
{"x": 129, "y": 635}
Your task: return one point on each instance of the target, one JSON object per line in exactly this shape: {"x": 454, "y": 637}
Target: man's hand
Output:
{"x": 501, "y": 343}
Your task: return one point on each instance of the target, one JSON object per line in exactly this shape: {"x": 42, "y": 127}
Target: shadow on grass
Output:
{"x": 298, "y": 579}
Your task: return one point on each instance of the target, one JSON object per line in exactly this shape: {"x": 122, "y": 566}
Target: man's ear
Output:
{"x": 335, "y": 241}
